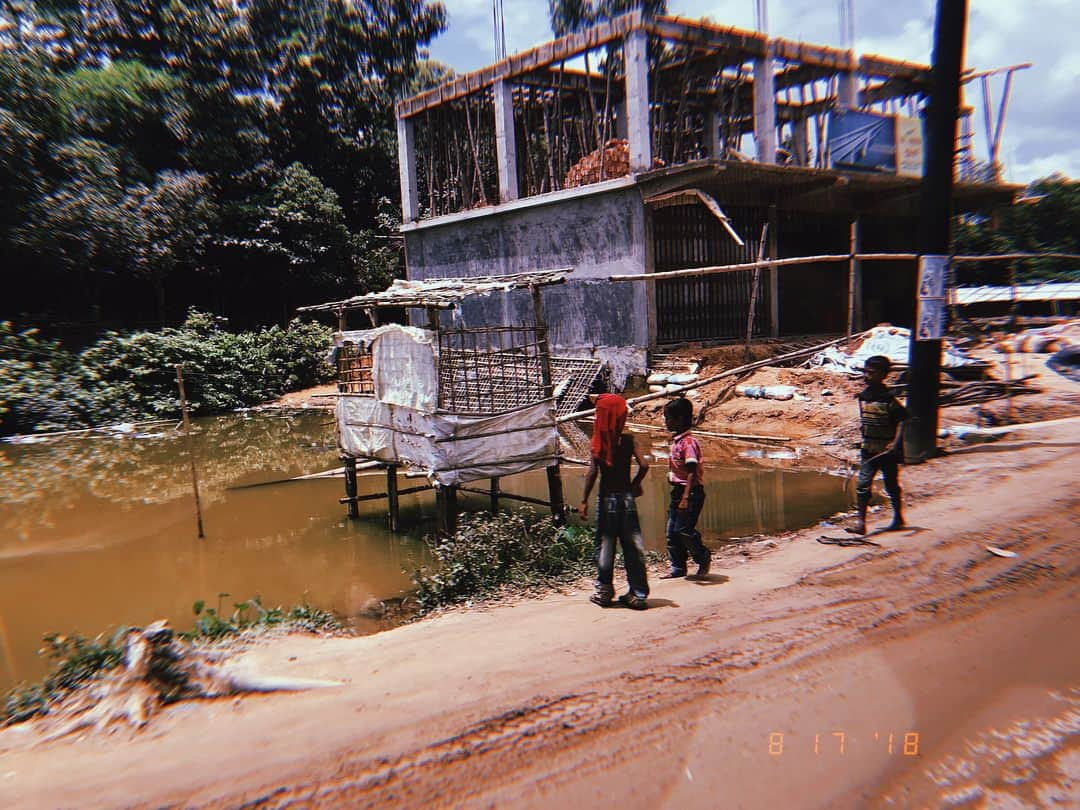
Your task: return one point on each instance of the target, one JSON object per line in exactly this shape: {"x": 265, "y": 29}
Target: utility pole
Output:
{"x": 935, "y": 222}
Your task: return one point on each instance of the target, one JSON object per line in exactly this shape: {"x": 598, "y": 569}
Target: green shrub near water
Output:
{"x": 129, "y": 377}
{"x": 506, "y": 549}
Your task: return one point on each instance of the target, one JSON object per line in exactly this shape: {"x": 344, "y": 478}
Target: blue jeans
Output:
{"x": 683, "y": 539}
{"x": 616, "y": 519}
{"x": 888, "y": 463}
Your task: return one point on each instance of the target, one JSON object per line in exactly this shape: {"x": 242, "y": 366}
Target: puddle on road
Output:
{"x": 100, "y": 532}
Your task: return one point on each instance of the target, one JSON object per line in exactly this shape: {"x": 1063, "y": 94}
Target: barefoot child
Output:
{"x": 880, "y": 413}
{"x": 687, "y": 493}
{"x": 616, "y": 514}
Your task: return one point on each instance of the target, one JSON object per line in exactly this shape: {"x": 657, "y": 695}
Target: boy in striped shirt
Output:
{"x": 685, "y": 474}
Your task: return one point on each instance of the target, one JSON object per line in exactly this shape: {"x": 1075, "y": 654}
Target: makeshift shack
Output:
{"x": 457, "y": 404}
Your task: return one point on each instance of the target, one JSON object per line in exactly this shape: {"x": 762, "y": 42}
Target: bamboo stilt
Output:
{"x": 350, "y": 486}
{"x": 190, "y": 447}
{"x": 392, "y": 497}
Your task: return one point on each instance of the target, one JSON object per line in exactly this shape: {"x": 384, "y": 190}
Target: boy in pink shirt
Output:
{"x": 685, "y": 469}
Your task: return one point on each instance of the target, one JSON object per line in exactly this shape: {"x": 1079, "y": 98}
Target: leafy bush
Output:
{"x": 491, "y": 551}
{"x": 76, "y": 661}
{"x": 33, "y": 372}
{"x": 129, "y": 377}
{"x": 211, "y": 626}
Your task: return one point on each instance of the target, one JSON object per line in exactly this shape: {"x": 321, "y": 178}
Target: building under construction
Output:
{"x": 502, "y": 171}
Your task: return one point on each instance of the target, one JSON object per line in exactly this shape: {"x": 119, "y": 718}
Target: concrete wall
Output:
{"x": 597, "y": 231}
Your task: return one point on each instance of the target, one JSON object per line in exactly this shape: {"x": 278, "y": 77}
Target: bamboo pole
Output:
{"x": 825, "y": 258}
{"x": 508, "y": 495}
{"x": 754, "y": 291}
{"x": 190, "y": 447}
{"x": 765, "y": 263}
{"x": 17, "y": 437}
{"x": 748, "y": 437}
{"x": 853, "y": 230}
{"x": 795, "y": 355}
{"x": 555, "y": 487}
{"x": 1001, "y": 256}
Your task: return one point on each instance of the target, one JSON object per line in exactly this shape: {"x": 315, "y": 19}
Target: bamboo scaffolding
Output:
{"x": 755, "y": 282}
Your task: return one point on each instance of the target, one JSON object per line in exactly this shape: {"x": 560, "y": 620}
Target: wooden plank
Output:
{"x": 884, "y": 67}
{"x": 565, "y": 47}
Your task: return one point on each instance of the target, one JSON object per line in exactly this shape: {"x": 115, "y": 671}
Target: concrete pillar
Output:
{"x": 410, "y": 203}
{"x": 638, "y": 132}
{"x": 847, "y": 92}
{"x": 712, "y": 138}
{"x": 800, "y": 133}
{"x": 765, "y": 109}
{"x": 505, "y": 142}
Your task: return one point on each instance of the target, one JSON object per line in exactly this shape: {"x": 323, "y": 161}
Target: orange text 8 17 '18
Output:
{"x": 839, "y": 743}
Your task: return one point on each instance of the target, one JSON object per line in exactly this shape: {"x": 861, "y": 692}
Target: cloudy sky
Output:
{"x": 1043, "y": 123}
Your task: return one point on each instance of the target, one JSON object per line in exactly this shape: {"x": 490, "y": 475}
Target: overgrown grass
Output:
{"x": 489, "y": 552}
{"x": 77, "y": 660}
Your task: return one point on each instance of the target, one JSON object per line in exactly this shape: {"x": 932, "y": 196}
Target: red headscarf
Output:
{"x": 610, "y": 421}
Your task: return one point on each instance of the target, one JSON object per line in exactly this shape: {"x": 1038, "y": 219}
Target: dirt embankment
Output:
{"x": 921, "y": 671}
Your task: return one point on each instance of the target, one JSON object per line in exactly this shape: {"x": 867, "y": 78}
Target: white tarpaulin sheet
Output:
{"x": 404, "y": 364}
{"x": 453, "y": 449}
{"x": 891, "y": 341}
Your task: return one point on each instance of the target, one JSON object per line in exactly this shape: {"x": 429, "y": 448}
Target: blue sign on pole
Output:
{"x": 930, "y": 318}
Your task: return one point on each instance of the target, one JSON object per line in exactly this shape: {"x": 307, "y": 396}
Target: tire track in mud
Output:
{"x": 511, "y": 747}
{"x": 556, "y": 740}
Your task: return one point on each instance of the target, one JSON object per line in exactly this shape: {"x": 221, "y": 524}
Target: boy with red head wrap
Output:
{"x": 616, "y": 514}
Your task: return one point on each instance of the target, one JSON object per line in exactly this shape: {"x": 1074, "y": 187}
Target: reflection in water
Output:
{"x": 739, "y": 501}
{"x": 99, "y": 532}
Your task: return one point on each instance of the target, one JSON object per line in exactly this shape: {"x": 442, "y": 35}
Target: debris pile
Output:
{"x": 668, "y": 373}
{"x": 892, "y": 342}
{"x": 1049, "y": 339}
{"x": 157, "y": 670}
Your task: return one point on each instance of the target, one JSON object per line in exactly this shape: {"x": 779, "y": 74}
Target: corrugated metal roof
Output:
{"x": 441, "y": 293}
{"x": 1050, "y": 291}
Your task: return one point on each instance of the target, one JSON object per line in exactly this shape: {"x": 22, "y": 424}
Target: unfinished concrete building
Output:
{"x": 502, "y": 171}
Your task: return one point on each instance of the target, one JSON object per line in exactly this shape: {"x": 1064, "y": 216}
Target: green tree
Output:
{"x": 1047, "y": 220}
{"x": 80, "y": 224}
{"x": 303, "y": 236}
{"x": 170, "y": 224}
{"x": 131, "y": 107}
{"x": 568, "y": 16}
{"x": 30, "y": 121}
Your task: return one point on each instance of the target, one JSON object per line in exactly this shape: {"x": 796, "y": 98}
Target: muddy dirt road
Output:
{"x": 919, "y": 672}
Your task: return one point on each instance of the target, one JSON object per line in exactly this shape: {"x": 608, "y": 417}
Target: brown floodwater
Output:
{"x": 100, "y": 532}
